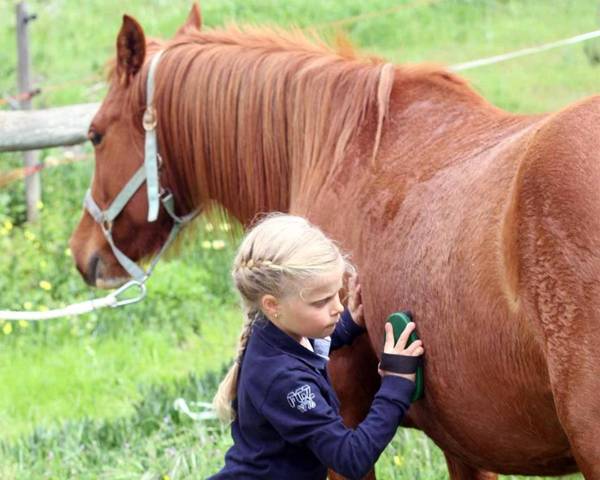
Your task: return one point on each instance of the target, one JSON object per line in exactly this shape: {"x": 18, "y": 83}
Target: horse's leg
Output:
{"x": 457, "y": 470}
{"x": 571, "y": 326}
{"x": 571, "y": 330}
{"x": 353, "y": 372}
{"x": 559, "y": 283}
{"x": 575, "y": 385}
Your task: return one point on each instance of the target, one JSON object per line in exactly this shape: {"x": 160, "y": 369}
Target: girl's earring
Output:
{"x": 276, "y": 315}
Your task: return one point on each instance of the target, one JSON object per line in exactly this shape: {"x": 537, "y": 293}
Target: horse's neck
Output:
{"x": 260, "y": 166}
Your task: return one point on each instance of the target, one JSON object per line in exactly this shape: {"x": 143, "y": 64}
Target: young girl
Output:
{"x": 286, "y": 421}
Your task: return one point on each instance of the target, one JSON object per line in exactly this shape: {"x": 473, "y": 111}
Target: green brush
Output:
{"x": 399, "y": 320}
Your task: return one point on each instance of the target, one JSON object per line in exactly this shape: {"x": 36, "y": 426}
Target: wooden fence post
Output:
{"x": 32, "y": 182}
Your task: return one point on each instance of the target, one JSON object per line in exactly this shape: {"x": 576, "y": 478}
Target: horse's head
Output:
{"x": 118, "y": 136}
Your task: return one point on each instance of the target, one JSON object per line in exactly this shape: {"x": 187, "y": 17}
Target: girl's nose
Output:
{"x": 338, "y": 307}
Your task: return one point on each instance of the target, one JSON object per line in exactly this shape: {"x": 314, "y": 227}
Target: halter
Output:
{"x": 148, "y": 173}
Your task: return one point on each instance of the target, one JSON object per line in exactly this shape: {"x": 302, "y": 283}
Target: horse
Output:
{"x": 486, "y": 224}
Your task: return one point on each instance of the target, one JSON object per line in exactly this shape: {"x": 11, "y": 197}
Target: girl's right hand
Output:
{"x": 414, "y": 349}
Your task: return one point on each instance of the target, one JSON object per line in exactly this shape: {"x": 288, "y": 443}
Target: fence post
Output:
{"x": 32, "y": 182}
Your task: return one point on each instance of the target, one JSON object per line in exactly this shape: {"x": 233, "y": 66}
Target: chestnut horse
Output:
{"x": 484, "y": 223}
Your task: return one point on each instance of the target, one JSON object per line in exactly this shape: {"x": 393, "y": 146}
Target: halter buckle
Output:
{"x": 149, "y": 119}
{"x": 106, "y": 225}
{"x": 163, "y": 193}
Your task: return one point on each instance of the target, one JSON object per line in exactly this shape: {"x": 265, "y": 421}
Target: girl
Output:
{"x": 286, "y": 421}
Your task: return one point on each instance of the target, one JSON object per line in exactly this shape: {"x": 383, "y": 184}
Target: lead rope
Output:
{"x": 110, "y": 300}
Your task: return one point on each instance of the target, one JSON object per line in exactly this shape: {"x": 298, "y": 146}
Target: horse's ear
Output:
{"x": 193, "y": 22}
{"x": 131, "y": 48}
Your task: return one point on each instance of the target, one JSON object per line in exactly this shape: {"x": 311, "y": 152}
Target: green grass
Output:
{"x": 99, "y": 376}
{"x": 92, "y": 397}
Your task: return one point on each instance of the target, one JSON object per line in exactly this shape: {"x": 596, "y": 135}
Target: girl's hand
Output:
{"x": 414, "y": 349}
{"x": 355, "y": 301}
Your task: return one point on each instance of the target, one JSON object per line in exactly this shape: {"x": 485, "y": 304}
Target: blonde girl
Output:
{"x": 284, "y": 412}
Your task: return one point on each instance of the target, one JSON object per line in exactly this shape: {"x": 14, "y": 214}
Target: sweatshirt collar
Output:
{"x": 277, "y": 338}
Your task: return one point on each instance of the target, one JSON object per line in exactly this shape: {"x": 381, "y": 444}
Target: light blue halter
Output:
{"x": 148, "y": 173}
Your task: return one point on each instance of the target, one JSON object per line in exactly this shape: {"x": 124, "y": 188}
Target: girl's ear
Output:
{"x": 269, "y": 305}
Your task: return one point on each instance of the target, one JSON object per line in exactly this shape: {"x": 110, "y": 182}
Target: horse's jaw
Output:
{"x": 110, "y": 283}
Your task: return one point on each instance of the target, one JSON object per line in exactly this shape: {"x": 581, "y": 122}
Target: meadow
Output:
{"x": 93, "y": 396}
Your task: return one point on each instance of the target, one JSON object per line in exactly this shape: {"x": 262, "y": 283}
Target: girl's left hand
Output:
{"x": 355, "y": 301}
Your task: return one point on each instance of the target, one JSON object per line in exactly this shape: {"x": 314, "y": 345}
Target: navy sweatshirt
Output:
{"x": 288, "y": 423}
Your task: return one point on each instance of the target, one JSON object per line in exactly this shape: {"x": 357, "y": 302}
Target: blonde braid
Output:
{"x": 252, "y": 264}
{"x": 228, "y": 387}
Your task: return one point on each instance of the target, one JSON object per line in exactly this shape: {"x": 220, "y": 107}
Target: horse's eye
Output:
{"x": 95, "y": 137}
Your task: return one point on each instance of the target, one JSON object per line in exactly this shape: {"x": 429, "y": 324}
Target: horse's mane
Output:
{"x": 240, "y": 104}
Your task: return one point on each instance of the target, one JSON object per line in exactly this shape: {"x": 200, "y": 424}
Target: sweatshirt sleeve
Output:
{"x": 299, "y": 411}
{"x": 345, "y": 331}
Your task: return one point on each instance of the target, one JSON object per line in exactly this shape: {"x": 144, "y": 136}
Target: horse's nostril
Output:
{"x": 91, "y": 273}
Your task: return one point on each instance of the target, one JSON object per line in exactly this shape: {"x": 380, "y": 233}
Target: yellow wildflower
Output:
{"x": 398, "y": 461}
{"x": 27, "y": 305}
{"x": 209, "y": 227}
{"x": 7, "y": 328}
{"x": 23, "y": 324}
{"x": 43, "y": 308}
{"x": 6, "y": 227}
{"x": 29, "y": 235}
{"x": 166, "y": 477}
{"x": 45, "y": 285}
{"x": 206, "y": 244}
{"x": 218, "y": 244}
{"x": 68, "y": 252}
{"x": 225, "y": 227}
{"x": 39, "y": 205}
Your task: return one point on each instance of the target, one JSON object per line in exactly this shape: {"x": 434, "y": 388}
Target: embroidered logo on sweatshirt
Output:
{"x": 302, "y": 398}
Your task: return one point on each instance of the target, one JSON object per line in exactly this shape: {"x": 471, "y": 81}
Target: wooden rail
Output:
{"x": 35, "y": 129}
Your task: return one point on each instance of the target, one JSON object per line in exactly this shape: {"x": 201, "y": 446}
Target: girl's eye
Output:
{"x": 95, "y": 137}
{"x": 322, "y": 303}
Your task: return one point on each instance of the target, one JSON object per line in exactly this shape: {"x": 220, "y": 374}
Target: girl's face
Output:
{"x": 314, "y": 311}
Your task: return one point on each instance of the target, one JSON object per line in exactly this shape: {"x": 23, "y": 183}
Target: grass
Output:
{"x": 99, "y": 376}
{"x": 92, "y": 397}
